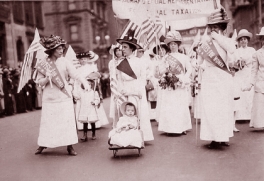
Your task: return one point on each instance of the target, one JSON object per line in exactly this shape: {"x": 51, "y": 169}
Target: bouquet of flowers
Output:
{"x": 169, "y": 80}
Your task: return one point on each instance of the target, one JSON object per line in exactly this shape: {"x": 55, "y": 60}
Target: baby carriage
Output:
{"x": 123, "y": 137}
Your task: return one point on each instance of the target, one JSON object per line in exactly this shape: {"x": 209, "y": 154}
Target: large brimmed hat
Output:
{"x": 261, "y": 32}
{"x": 90, "y": 55}
{"x": 244, "y": 33}
{"x": 51, "y": 42}
{"x": 173, "y": 36}
{"x": 129, "y": 39}
{"x": 220, "y": 16}
{"x": 123, "y": 107}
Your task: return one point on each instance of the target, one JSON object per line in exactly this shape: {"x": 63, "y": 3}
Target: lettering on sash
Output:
{"x": 175, "y": 66}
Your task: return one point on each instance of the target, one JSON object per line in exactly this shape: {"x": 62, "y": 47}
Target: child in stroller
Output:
{"x": 126, "y": 132}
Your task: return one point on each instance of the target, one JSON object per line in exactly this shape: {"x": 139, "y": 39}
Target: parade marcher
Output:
{"x": 174, "y": 73}
{"x": 88, "y": 61}
{"x": 159, "y": 51}
{"x": 89, "y": 101}
{"x": 257, "y": 74}
{"x": 117, "y": 54}
{"x": 242, "y": 76}
{"x": 57, "y": 127}
{"x": 216, "y": 87}
{"x": 132, "y": 78}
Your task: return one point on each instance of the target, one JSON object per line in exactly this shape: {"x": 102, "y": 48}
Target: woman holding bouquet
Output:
{"x": 57, "y": 126}
{"x": 174, "y": 74}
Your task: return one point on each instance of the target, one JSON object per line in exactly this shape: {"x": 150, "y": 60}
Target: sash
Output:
{"x": 208, "y": 52}
{"x": 42, "y": 66}
{"x": 175, "y": 66}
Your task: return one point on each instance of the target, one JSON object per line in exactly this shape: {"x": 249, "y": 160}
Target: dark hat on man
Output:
{"x": 90, "y": 55}
{"x": 129, "y": 39}
{"x": 51, "y": 42}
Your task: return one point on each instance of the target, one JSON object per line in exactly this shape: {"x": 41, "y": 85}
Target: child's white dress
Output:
{"x": 128, "y": 137}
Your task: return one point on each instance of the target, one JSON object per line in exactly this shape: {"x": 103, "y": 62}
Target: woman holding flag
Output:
{"x": 174, "y": 73}
{"x": 217, "y": 51}
{"x": 132, "y": 80}
{"x": 57, "y": 126}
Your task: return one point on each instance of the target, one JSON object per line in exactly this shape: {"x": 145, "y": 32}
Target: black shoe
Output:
{"x": 224, "y": 144}
{"x": 184, "y": 132}
{"x": 93, "y": 136}
{"x": 71, "y": 150}
{"x": 39, "y": 150}
{"x": 213, "y": 145}
{"x": 84, "y": 138}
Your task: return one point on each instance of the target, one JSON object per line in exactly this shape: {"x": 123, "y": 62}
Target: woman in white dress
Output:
{"x": 57, "y": 126}
{"x": 217, "y": 51}
{"x": 174, "y": 114}
{"x": 257, "y": 80}
{"x": 132, "y": 79}
{"x": 244, "y": 54}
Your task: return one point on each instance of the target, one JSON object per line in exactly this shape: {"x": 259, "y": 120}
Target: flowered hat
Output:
{"x": 244, "y": 33}
{"x": 162, "y": 45}
{"x": 51, "y": 42}
{"x": 220, "y": 16}
{"x": 261, "y": 32}
{"x": 173, "y": 36}
{"x": 92, "y": 57}
{"x": 123, "y": 107}
{"x": 129, "y": 39}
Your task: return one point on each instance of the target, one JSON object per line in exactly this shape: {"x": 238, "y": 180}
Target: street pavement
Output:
{"x": 170, "y": 158}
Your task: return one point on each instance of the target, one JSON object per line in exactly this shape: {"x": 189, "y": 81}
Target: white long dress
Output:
{"x": 136, "y": 86}
{"x": 242, "y": 77}
{"x": 217, "y": 97}
{"x": 174, "y": 113}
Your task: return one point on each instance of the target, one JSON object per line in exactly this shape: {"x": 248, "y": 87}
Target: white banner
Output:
{"x": 167, "y": 10}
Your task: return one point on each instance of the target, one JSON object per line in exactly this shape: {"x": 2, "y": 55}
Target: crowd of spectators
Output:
{"x": 13, "y": 102}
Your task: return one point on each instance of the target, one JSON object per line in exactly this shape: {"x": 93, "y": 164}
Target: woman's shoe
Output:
{"x": 224, "y": 144}
{"x": 39, "y": 150}
{"x": 213, "y": 145}
{"x": 93, "y": 137}
{"x": 71, "y": 150}
{"x": 184, "y": 132}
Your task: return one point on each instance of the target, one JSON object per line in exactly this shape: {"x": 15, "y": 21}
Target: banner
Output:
{"x": 167, "y": 10}
{"x": 175, "y": 65}
{"x": 208, "y": 52}
{"x": 43, "y": 65}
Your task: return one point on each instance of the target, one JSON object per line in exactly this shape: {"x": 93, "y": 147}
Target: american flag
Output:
{"x": 131, "y": 26}
{"x": 29, "y": 61}
{"x": 149, "y": 31}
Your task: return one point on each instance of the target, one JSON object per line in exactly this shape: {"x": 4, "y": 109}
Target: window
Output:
{"x": 72, "y": 5}
{"x": 74, "y": 32}
{"x": 18, "y": 12}
{"x": 38, "y": 14}
{"x": 20, "y": 50}
{"x": 29, "y": 13}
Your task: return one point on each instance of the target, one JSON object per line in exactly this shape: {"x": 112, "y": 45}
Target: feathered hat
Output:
{"x": 173, "y": 36}
{"x": 219, "y": 16}
{"x": 129, "y": 39}
{"x": 51, "y": 42}
{"x": 92, "y": 57}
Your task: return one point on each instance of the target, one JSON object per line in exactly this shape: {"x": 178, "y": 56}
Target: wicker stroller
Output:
{"x": 138, "y": 133}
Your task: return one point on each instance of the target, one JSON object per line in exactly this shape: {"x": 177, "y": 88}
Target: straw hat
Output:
{"x": 51, "y": 42}
{"x": 261, "y": 32}
{"x": 244, "y": 33}
{"x": 220, "y": 16}
{"x": 129, "y": 39}
{"x": 173, "y": 36}
{"x": 123, "y": 108}
{"x": 90, "y": 55}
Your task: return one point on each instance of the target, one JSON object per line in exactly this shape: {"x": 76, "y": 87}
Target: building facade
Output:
{"x": 18, "y": 21}
{"x": 83, "y": 24}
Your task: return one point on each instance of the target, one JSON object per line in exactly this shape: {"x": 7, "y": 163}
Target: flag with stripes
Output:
{"x": 29, "y": 61}
{"x": 131, "y": 26}
{"x": 149, "y": 31}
